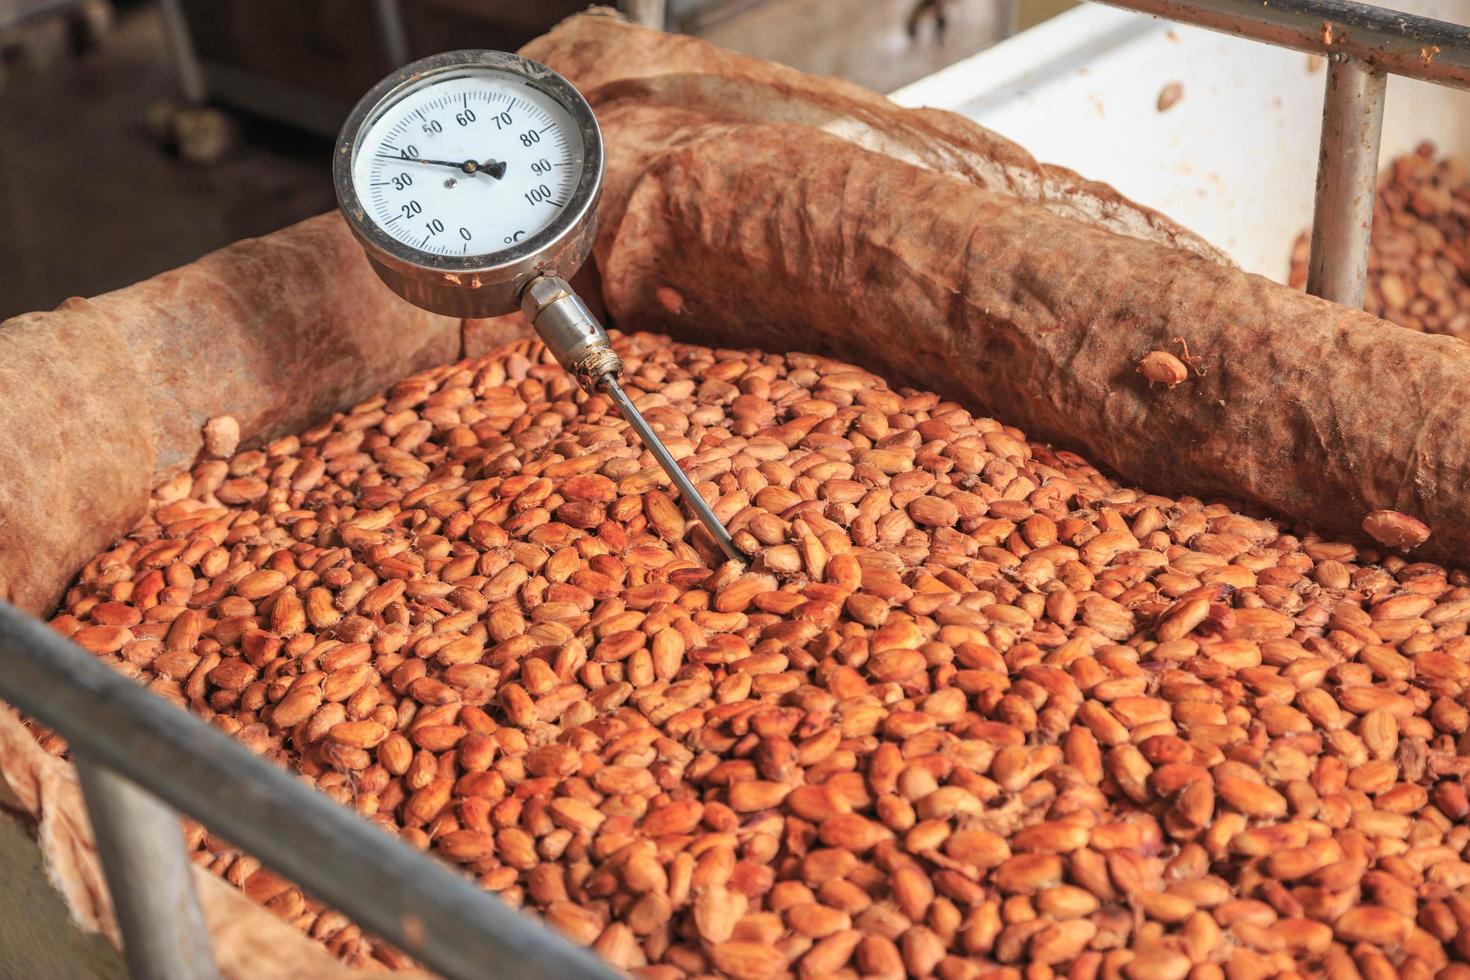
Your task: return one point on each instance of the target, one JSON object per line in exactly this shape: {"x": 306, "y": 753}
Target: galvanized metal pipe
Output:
{"x": 1390, "y": 41}
{"x": 418, "y": 904}
{"x": 1347, "y": 175}
{"x": 390, "y": 30}
{"x": 181, "y": 47}
{"x": 150, "y": 878}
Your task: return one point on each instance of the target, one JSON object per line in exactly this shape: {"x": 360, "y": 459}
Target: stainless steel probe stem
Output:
{"x": 671, "y": 466}
{"x": 580, "y": 345}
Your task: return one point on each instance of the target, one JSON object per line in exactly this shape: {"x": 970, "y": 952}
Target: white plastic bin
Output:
{"x": 1235, "y": 159}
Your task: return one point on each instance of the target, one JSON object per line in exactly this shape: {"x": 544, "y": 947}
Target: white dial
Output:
{"x": 468, "y": 162}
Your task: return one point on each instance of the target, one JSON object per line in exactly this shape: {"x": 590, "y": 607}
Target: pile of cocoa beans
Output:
{"x": 972, "y": 710}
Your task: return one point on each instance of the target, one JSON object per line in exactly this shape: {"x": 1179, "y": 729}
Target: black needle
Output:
{"x": 495, "y": 168}
{"x": 437, "y": 163}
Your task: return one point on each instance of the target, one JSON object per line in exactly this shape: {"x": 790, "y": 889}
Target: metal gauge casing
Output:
{"x": 411, "y": 104}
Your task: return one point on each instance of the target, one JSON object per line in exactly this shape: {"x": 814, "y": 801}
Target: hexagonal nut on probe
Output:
{"x": 541, "y": 293}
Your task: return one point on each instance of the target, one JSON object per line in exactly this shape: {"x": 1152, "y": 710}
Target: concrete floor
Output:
{"x": 90, "y": 201}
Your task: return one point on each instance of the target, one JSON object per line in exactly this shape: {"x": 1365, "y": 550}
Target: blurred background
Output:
{"x": 136, "y": 135}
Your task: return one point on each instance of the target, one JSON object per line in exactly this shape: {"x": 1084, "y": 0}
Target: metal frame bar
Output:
{"x": 434, "y": 914}
{"x": 1394, "y": 42}
{"x": 150, "y": 876}
{"x": 390, "y": 27}
{"x": 1363, "y": 45}
{"x": 181, "y": 48}
{"x": 1347, "y": 179}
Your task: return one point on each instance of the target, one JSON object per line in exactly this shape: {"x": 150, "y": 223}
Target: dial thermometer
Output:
{"x": 471, "y": 178}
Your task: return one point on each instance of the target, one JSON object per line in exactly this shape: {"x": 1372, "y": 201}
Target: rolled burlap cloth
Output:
{"x": 748, "y": 204}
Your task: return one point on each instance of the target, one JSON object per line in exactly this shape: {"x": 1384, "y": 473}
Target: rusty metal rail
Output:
{"x": 1363, "y": 45}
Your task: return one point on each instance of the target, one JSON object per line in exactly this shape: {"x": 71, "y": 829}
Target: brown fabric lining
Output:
{"x": 105, "y": 398}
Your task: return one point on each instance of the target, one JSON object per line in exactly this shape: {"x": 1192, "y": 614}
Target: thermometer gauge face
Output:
{"x": 467, "y": 174}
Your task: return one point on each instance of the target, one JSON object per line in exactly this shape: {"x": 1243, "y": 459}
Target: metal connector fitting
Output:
{"x": 570, "y": 331}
